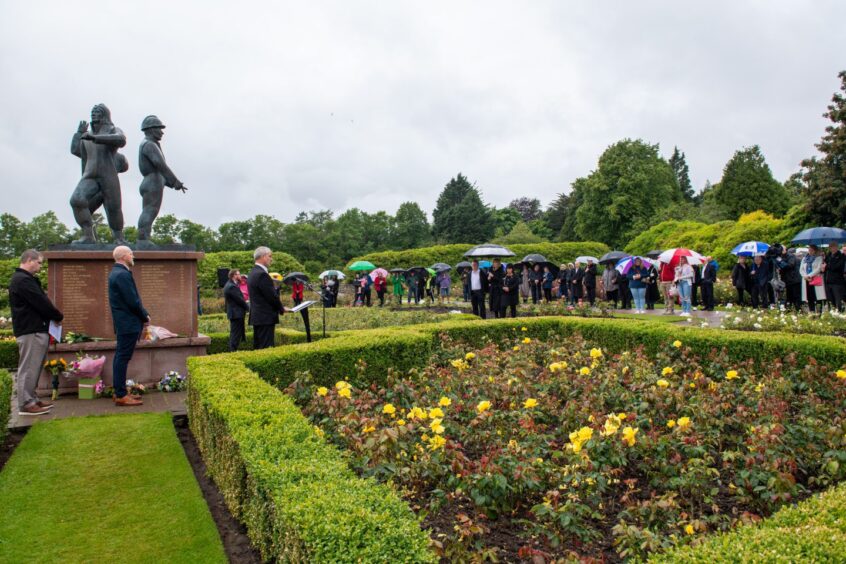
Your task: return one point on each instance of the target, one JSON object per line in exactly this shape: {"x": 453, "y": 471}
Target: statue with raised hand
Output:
{"x": 99, "y": 185}
{"x": 157, "y": 175}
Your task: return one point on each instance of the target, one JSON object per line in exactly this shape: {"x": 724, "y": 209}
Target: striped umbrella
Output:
{"x": 625, "y": 264}
{"x": 750, "y": 249}
{"x": 671, "y": 257}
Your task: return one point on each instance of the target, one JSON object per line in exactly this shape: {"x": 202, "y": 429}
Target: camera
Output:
{"x": 774, "y": 251}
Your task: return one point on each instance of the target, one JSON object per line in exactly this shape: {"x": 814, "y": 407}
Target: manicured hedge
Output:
{"x": 811, "y": 531}
{"x": 9, "y": 354}
{"x": 6, "y": 384}
{"x": 452, "y": 254}
{"x": 243, "y": 260}
{"x": 295, "y": 493}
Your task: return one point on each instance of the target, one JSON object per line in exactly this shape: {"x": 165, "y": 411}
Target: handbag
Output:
{"x": 673, "y": 291}
{"x": 815, "y": 280}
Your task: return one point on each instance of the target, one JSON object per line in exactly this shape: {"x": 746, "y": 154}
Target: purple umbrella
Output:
{"x": 625, "y": 264}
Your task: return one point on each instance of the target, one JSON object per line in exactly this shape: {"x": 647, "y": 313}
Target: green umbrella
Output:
{"x": 362, "y": 265}
{"x": 431, "y": 271}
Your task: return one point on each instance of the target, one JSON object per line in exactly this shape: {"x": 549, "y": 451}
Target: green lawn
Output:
{"x": 104, "y": 489}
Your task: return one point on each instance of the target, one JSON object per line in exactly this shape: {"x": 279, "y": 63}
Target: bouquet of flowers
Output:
{"x": 54, "y": 368}
{"x": 134, "y": 388}
{"x": 86, "y": 366}
{"x": 173, "y": 381}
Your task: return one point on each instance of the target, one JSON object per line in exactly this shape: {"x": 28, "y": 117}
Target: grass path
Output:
{"x": 104, "y": 489}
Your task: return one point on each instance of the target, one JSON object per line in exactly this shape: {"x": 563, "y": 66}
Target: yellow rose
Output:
{"x": 469, "y": 356}
{"x": 629, "y": 435}
{"x": 677, "y": 344}
{"x": 584, "y": 371}
{"x": 515, "y": 348}
{"x": 595, "y": 353}
{"x": 400, "y": 422}
{"x": 671, "y": 423}
{"x": 389, "y": 409}
{"x": 666, "y": 371}
{"x": 483, "y": 406}
{"x": 524, "y": 329}
{"x": 344, "y": 393}
{"x": 340, "y": 385}
{"x": 530, "y": 403}
{"x": 368, "y": 429}
{"x": 436, "y": 426}
{"x": 662, "y": 383}
{"x": 683, "y": 422}
{"x": 322, "y": 391}
{"x": 731, "y": 375}
{"x": 436, "y": 412}
{"x": 436, "y": 442}
{"x": 444, "y": 402}
{"x": 526, "y": 340}
{"x": 841, "y": 374}
{"x": 689, "y": 529}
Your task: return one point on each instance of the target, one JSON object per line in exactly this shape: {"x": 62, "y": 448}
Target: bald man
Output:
{"x": 129, "y": 318}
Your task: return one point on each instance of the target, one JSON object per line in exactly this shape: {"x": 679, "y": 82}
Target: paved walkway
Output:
{"x": 714, "y": 318}
{"x": 71, "y": 406}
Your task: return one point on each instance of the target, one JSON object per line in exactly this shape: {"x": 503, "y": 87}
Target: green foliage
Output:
{"x": 9, "y": 354}
{"x": 630, "y": 184}
{"x": 528, "y": 208}
{"x": 119, "y": 475}
{"x": 681, "y": 171}
{"x": 811, "y": 531}
{"x": 6, "y": 384}
{"x": 412, "y": 228}
{"x": 453, "y": 254}
{"x": 825, "y": 176}
{"x": 519, "y": 234}
{"x": 505, "y": 219}
{"x": 16, "y": 236}
{"x": 460, "y": 214}
{"x": 295, "y": 493}
{"x": 748, "y": 185}
{"x": 243, "y": 260}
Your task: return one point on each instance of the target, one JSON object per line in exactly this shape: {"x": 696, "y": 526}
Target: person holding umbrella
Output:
{"x": 813, "y": 290}
{"x": 444, "y": 283}
{"x": 297, "y": 289}
{"x": 381, "y": 285}
{"x": 637, "y": 276}
{"x": 396, "y": 285}
{"x": 496, "y": 275}
{"x": 652, "y": 294}
{"x": 788, "y": 269}
{"x": 536, "y": 281}
{"x": 478, "y": 287}
{"x": 590, "y": 282}
{"x": 510, "y": 292}
{"x": 759, "y": 273}
{"x": 740, "y": 279}
{"x": 684, "y": 278}
{"x": 609, "y": 282}
{"x": 833, "y": 265}
{"x": 576, "y": 283}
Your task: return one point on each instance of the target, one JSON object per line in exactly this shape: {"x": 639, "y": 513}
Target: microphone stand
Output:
{"x": 322, "y": 304}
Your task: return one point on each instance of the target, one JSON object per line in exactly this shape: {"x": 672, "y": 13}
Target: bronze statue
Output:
{"x": 157, "y": 175}
{"x": 99, "y": 185}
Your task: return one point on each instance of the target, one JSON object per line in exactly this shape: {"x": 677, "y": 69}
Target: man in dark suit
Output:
{"x": 576, "y": 283}
{"x": 478, "y": 288}
{"x": 496, "y": 280}
{"x": 236, "y": 309}
{"x": 709, "y": 278}
{"x": 129, "y": 318}
{"x": 265, "y": 306}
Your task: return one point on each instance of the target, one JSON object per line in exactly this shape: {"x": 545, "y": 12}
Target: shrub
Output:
{"x": 8, "y": 353}
{"x": 294, "y": 492}
{"x": 6, "y": 383}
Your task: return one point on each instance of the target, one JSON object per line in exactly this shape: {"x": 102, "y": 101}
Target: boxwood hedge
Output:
{"x": 295, "y": 493}
{"x": 6, "y": 384}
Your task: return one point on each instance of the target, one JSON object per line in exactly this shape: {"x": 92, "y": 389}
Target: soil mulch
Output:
{"x": 236, "y": 543}
{"x": 11, "y": 442}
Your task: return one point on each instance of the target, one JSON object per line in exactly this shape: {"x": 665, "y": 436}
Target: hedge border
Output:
{"x": 295, "y": 493}
{"x": 6, "y": 384}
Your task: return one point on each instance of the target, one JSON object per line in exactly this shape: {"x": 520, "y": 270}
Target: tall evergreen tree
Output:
{"x": 411, "y": 227}
{"x": 825, "y": 176}
{"x": 554, "y": 215}
{"x": 748, "y": 185}
{"x": 682, "y": 173}
{"x": 460, "y": 216}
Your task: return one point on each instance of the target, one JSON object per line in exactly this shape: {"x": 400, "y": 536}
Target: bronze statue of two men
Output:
{"x": 98, "y": 146}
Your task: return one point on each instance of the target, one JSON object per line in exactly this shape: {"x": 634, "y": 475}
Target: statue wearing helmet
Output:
{"x": 157, "y": 175}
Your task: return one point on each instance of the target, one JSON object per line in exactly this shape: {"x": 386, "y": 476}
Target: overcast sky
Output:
{"x": 274, "y": 108}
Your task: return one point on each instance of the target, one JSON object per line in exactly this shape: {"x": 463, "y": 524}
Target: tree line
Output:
{"x": 632, "y": 188}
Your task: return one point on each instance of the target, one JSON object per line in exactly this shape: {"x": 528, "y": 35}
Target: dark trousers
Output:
{"x": 477, "y": 300}
{"x": 794, "y": 295}
{"x": 297, "y": 301}
{"x": 494, "y": 305}
{"x": 760, "y": 296}
{"x": 367, "y": 297}
{"x": 547, "y": 294}
{"x": 834, "y": 295}
{"x": 236, "y": 333}
{"x": 591, "y": 294}
{"x": 504, "y": 309}
{"x": 123, "y": 354}
{"x": 694, "y": 291}
{"x": 612, "y": 296}
{"x": 565, "y": 290}
{"x": 576, "y": 294}
{"x": 740, "y": 297}
{"x": 625, "y": 296}
{"x": 263, "y": 336}
{"x": 466, "y": 292}
{"x": 381, "y": 294}
{"x": 708, "y": 296}
{"x": 536, "y": 292}
{"x": 811, "y": 292}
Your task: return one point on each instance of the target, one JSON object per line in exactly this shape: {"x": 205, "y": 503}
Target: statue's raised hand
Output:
{"x": 83, "y": 127}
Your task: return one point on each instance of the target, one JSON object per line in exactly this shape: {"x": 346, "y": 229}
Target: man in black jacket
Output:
{"x": 32, "y": 312}
{"x": 265, "y": 306}
{"x": 709, "y": 278}
{"x": 576, "y": 284}
{"x": 590, "y": 282}
{"x": 478, "y": 288}
{"x": 788, "y": 270}
{"x": 835, "y": 284}
{"x": 236, "y": 309}
{"x": 129, "y": 318}
{"x": 496, "y": 276}
{"x": 740, "y": 279}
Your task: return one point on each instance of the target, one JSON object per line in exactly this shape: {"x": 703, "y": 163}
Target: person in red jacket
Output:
{"x": 297, "y": 288}
{"x": 381, "y": 285}
{"x": 667, "y": 276}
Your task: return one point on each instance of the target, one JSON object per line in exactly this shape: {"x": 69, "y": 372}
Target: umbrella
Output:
{"x": 419, "y": 269}
{"x": 431, "y": 271}
{"x": 672, "y": 256}
{"x": 440, "y": 266}
{"x": 463, "y": 265}
{"x": 584, "y": 259}
{"x": 750, "y": 249}
{"x": 534, "y": 258}
{"x": 654, "y": 253}
{"x": 276, "y": 276}
{"x": 377, "y": 272}
{"x": 397, "y": 270}
{"x": 484, "y": 264}
{"x": 613, "y": 256}
{"x": 820, "y": 236}
{"x": 291, "y": 276}
{"x": 336, "y": 273}
{"x": 625, "y": 264}
{"x": 362, "y": 265}
{"x": 488, "y": 250}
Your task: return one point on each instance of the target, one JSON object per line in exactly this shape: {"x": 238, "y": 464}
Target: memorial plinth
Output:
{"x": 78, "y": 283}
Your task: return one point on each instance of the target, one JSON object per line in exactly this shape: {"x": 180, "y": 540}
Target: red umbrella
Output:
{"x": 672, "y": 256}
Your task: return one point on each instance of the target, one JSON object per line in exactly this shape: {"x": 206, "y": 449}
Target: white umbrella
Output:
{"x": 586, "y": 259}
{"x": 337, "y": 273}
{"x": 488, "y": 250}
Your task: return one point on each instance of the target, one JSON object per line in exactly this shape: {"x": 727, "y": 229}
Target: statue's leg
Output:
{"x": 112, "y": 205}
{"x": 83, "y": 196}
{"x": 152, "y": 190}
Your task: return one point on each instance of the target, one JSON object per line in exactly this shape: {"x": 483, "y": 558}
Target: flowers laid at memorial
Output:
{"x": 172, "y": 381}
{"x": 560, "y": 449}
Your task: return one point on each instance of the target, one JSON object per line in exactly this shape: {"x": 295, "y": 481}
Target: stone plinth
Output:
{"x": 149, "y": 363}
{"x": 167, "y": 281}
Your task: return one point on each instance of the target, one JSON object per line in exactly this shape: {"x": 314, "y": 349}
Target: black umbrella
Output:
{"x": 291, "y": 276}
{"x": 613, "y": 256}
{"x": 463, "y": 265}
{"x": 654, "y": 254}
{"x": 417, "y": 269}
{"x": 488, "y": 250}
{"x": 397, "y": 270}
{"x": 440, "y": 267}
{"x": 534, "y": 258}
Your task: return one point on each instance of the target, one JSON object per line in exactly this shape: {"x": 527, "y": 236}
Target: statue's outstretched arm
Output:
{"x": 154, "y": 154}
{"x": 116, "y": 138}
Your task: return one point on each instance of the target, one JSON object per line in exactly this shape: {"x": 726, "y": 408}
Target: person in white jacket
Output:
{"x": 684, "y": 279}
{"x": 813, "y": 289}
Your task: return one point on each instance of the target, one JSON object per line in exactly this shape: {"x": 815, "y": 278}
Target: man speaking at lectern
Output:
{"x": 265, "y": 306}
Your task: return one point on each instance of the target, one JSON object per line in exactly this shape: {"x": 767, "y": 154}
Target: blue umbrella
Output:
{"x": 484, "y": 264}
{"x": 750, "y": 249}
{"x": 820, "y": 236}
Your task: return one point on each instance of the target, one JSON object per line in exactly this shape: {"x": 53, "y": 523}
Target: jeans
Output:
{"x": 33, "y": 351}
{"x": 236, "y": 333}
{"x": 123, "y": 354}
{"x": 685, "y": 288}
{"x": 639, "y": 295}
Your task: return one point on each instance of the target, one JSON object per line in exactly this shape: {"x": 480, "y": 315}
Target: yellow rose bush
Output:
{"x": 562, "y": 444}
